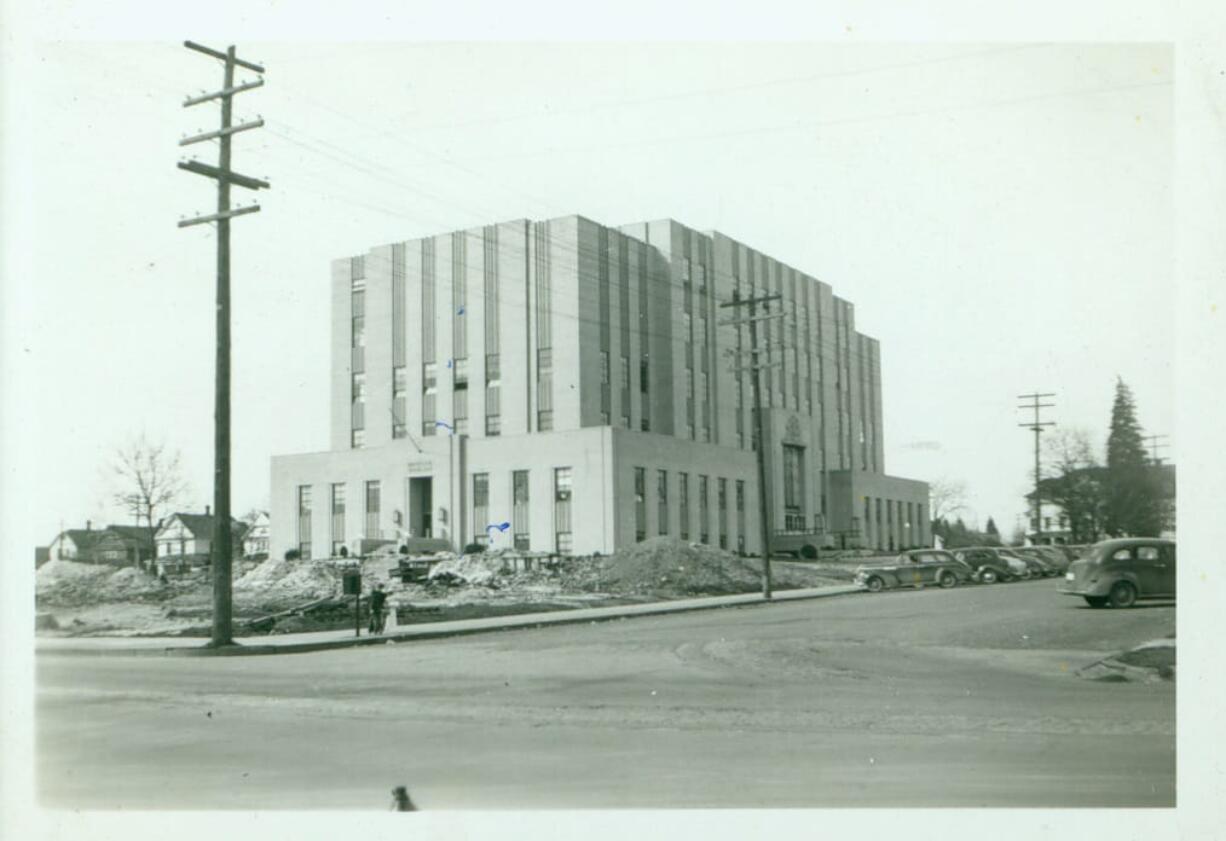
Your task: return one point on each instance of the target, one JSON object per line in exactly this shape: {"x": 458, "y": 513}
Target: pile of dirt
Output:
{"x": 281, "y": 584}
{"x": 476, "y": 570}
{"x": 131, "y": 583}
{"x": 665, "y": 567}
{"x": 68, "y": 582}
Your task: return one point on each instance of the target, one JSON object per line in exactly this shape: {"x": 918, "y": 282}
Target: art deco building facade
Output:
{"x": 568, "y": 387}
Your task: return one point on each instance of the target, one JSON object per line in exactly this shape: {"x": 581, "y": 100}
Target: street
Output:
{"x": 962, "y": 697}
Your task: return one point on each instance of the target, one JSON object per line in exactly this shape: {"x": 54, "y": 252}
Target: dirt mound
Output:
{"x": 130, "y": 583}
{"x": 278, "y": 583}
{"x": 478, "y": 570}
{"x": 68, "y": 582}
{"x": 669, "y": 568}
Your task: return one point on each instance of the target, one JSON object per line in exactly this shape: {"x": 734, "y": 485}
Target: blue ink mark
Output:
{"x": 444, "y": 424}
{"x": 499, "y": 526}
{"x": 448, "y": 363}
{"x": 460, "y": 311}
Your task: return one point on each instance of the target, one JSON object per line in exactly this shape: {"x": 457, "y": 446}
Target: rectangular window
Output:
{"x": 338, "y": 518}
{"x": 544, "y": 421}
{"x": 604, "y": 366}
{"x": 740, "y": 515}
{"x": 640, "y": 503}
{"x": 400, "y": 381}
{"x": 704, "y": 518}
{"x": 683, "y": 501}
{"x": 662, "y": 498}
{"x": 357, "y": 269}
{"x": 519, "y": 510}
{"x": 721, "y": 498}
{"x": 493, "y": 368}
{"x": 561, "y": 509}
{"x": 481, "y": 507}
{"x": 372, "y": 510}
{"x": 793, "y": 488}
{"x": 358, "y": 439}
{"x": 304, "y": 521}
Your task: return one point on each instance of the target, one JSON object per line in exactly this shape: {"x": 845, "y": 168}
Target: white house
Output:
{"x": 255, "y": 541}
{"x": 184, "y": 541}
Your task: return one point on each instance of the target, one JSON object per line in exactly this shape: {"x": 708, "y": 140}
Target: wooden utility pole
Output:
{"x": 1036, "y": 405}
{"x": 755, "y": 367}
{"x": 222, "y": 547}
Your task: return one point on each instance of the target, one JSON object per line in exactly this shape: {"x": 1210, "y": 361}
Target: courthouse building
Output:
{"x": 563, "y": 386}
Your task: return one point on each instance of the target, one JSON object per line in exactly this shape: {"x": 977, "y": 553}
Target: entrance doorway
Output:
{"x": 421, "y": 502}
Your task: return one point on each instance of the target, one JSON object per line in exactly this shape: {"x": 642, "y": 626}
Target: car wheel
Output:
{"x": 1024, "y": 575}
{"x": 875, "y": 584}
{"x": 808, "y": 552}
{"x": 987, "y": 577}
{"x": 1096, "y": 601}
{"x": 947, "y": 579}
{"x": 1123, "y": 594}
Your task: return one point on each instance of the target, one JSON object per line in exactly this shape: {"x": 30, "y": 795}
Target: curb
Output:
{"x": 526, "y": 621}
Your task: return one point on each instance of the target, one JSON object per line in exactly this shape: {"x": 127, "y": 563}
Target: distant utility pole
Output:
{"x": 1036, "y": 404}
{"x": 222, "y": 538}
{"x": 1155, "y": 446}
{"x": 755, "y": 367}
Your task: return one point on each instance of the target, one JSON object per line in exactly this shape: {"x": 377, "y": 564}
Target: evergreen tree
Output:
{"x": 1134, "y": 498}
{"x": 991, "y": 533}
{"x": 1125, "y": 447}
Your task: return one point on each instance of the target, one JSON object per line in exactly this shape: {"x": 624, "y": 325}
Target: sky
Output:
{"x": 999, "y": 214}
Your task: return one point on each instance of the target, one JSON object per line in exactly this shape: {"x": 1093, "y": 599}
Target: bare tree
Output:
{"x": 149, "y": 479}
{"x": 1075, "y": 482}
{"x": 946, "y": 497}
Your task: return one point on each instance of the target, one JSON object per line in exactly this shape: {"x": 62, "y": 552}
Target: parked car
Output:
{"x": 986, "y": 565}
{"x": 916, "y": 568}
{"x": 1039, "y": 564}
{"x": 1020, "y": 566}
{"x": 1058, "y": 560}
{"x": 1119, "y": 572}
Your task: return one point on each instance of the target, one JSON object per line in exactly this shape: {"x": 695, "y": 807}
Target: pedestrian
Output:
{"x": 378, "y": 598}
{"x": 401, "y": 801}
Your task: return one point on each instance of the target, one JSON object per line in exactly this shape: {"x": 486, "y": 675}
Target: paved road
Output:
{"x": 963, "y": 697}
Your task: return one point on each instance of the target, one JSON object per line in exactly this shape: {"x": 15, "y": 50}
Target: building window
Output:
{"x": 640, "y": 503}
{"x": 721, "y": 501}
{"x": 625, "y": 381}
{"x": 338, "y": 518}
{"x": 372, "y": 510}
{"x": 481, "y": 507}
{"x": 400, "y": 381}
{"x": 357, "y": 439}
{"x": 740, "y": 515}
{"x": 357, "y": 269}
{"x": 544, "y": 421}
{"x": 561, "y": 509}
{"x": 359, "y": 387}
{"x": 493, "y": 368}
{"x": 704, "y": 519}
{"x": 683, "y": 501}
{"x": 493, "y": 409}
{"x": 793, "y": 488}
{"x": 519, "y": 510}
{"x": 662, "y": 497}
{"x": 604, "y": 366}
{"x": 493, "y": 425}
{"x": 304, "y": 521}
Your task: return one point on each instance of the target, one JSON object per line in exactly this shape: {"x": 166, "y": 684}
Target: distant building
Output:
{"x": 1055, "y": 526}
{"x": 125, "y": 546}
{"x": 563, "y": 386}
{"x": 75, "y": 545}
{"x": 255, "y": 539}
{"x": 184, "y": 541}
{"x": 42, "y": 554}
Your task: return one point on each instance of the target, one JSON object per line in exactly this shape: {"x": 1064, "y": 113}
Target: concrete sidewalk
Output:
{"x": 322, "y": 640}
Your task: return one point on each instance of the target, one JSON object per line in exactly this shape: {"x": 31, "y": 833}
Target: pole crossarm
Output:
{"x": 209, "y": 97}
{"x": 743, "y": 302}
{"x": 217, "y": 217}
{"x": 200, "y": 48}
{"x": 221, "y": 132}
{"x": 751, "y": 318}
{"x": 224, "y": 174}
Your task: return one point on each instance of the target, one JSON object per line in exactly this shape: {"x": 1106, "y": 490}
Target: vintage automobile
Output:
{"x": 987, "y": 565}
{"x": 1058, "y": 559}
{"x": 1119, "y": 572}
{"x": 1021, "y": 569}
{"x": 915, "y": 568}
{"x": 1039, "y": 565}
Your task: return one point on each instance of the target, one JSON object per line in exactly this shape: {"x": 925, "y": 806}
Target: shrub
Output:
{"x": 292, "y": 555}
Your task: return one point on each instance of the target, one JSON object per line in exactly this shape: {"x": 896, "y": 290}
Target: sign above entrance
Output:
{"x": 421, "y": 467}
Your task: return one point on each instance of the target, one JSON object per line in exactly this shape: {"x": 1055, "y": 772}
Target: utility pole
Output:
{"x": 1036, "y": 404}
{"x": 1155, "y": 446}
{"x": 755, "y": 367}
{"x": 222, "y": 547}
